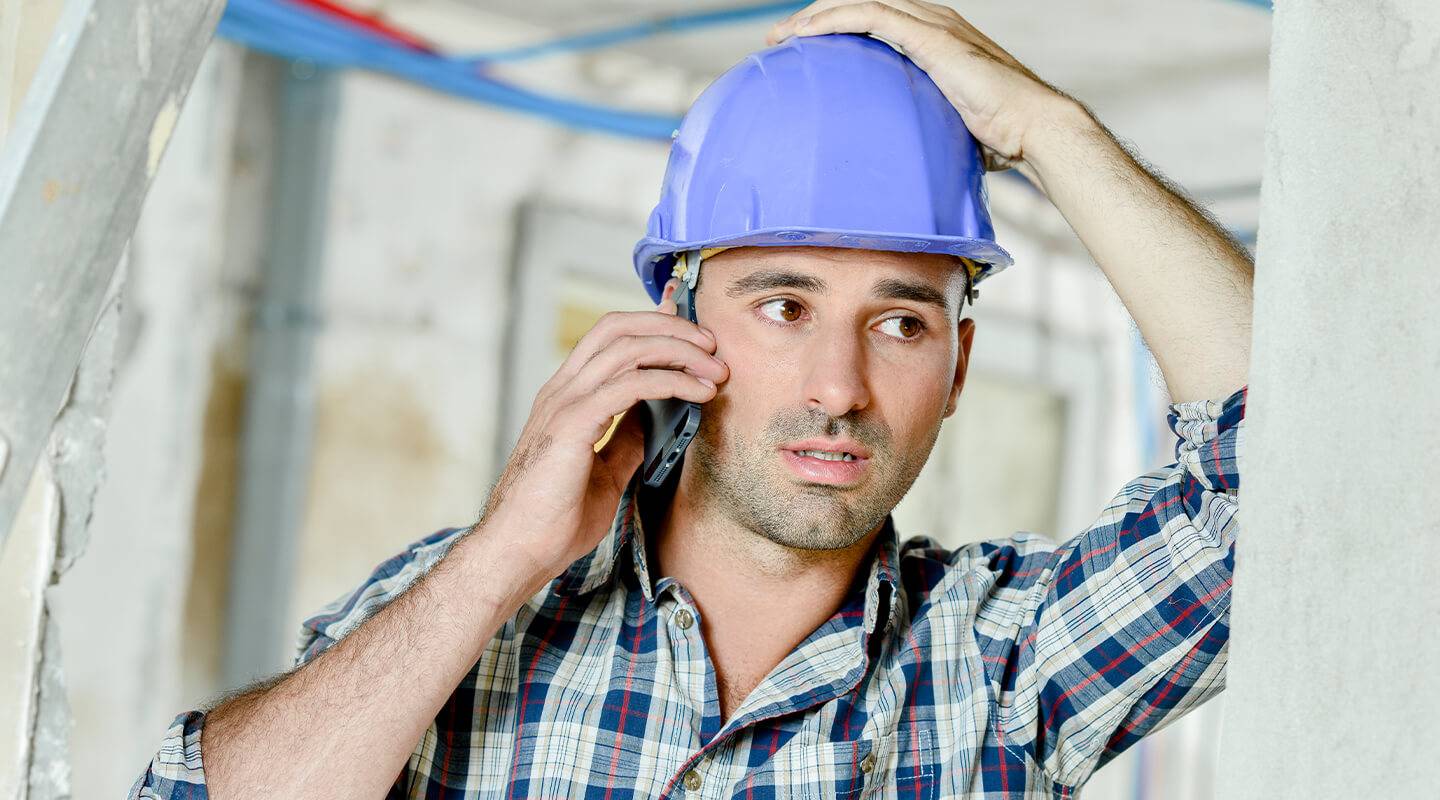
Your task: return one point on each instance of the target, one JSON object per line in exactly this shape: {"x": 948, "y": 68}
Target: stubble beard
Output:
{"x": 745, "y": 479}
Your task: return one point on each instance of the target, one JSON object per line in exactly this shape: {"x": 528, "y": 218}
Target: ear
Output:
{"x": 966, "y": 330}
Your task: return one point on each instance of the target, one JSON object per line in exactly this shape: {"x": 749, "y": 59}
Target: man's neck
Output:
{"x": 757, "y": 599}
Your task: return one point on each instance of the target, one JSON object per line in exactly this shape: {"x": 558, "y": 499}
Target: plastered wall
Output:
{"x": 1333, "y": 685}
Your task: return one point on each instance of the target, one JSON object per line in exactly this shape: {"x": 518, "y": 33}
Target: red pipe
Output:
{"x": 370, "y": 22}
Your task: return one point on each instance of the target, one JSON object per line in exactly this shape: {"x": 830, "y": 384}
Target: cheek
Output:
{"x": 759, "y": 365}
{"x": 912, "y": 395}
{"x": 760, "y": 382}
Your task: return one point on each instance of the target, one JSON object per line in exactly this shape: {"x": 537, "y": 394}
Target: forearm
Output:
{"x": 1185, "y": 281}
{"x": 344, "y": 724}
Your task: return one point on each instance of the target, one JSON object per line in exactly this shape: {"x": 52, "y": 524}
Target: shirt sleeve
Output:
{"x": 1094, "y": 643}
{"x": 392, "y": 577}
{"x": 177, "y": 769}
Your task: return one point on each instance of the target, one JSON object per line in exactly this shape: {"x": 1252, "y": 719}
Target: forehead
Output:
{"x": 842, "y": 266}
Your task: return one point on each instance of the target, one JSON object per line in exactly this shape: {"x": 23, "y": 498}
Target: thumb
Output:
{"x": 624, "y": 451}
{"x": 667, "y": 297}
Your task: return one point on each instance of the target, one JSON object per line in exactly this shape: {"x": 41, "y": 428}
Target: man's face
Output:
{"x": 833, "y": 353}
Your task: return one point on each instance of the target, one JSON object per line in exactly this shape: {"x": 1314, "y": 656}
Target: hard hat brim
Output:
{"x": 655, "y": 258}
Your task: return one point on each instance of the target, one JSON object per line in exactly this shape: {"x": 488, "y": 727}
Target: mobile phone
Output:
{"x": 670, "y": 424}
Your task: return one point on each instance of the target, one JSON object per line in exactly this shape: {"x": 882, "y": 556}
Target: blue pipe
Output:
{"x": 300, "y": 33}
{"x": 295, "y": 32}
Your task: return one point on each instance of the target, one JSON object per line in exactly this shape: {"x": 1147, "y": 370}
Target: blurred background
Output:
{"x": 361, "y": 256}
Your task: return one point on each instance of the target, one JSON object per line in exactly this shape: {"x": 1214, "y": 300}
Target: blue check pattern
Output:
{"x": 1005, "y": 669}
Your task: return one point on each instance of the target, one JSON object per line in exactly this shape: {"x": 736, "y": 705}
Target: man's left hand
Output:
{"x": 1002, "y": 103}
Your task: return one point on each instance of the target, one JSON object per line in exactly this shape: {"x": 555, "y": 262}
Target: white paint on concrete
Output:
{"x": 160, "y": 132}
{"x": 1333, "y": 680}
{"x": 25, "y": 27}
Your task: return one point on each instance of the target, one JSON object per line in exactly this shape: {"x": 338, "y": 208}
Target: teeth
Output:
{"x": 827, "y": 455}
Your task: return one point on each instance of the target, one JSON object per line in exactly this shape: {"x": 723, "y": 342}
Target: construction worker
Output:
{"x": 756, "y": 627}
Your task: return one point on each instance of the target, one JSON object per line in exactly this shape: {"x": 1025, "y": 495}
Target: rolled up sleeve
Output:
{"x": 175, "y": 772}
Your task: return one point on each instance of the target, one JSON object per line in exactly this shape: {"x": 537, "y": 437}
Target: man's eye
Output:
{"x": 902, "y": 327}
{"x": 781, "y": 310}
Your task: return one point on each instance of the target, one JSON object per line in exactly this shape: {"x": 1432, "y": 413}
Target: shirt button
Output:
{"x": 867, "y": 763}
{"x": 692, "y": 781}
{"x": 684, "y": 619}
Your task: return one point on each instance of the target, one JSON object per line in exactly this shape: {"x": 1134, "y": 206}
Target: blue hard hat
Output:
{"x": 831, "y": 141}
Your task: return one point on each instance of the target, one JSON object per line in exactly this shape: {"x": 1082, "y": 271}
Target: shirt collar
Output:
{"x": 596, "y": 568}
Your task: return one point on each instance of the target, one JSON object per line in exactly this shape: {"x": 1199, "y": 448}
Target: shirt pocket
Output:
{"x": 906, "y": 766}
{"x": 811, "y": 771}
{"x": 855, "y": 770}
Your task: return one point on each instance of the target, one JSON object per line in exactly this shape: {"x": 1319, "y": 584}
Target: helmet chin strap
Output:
{"x": 971, "y": 270}
{"x": 687, "y": 268}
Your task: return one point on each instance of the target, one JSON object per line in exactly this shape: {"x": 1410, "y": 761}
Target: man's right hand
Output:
{"x": 556, "y": 498}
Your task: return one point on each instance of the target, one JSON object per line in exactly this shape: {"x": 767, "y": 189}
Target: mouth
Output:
{"x": 832, "y": 463}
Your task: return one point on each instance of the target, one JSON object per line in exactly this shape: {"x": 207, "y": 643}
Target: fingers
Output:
{"x": 630, "y": 387}
{"x": 628, "y": 357}
{"x": 630, "y": 323}
{"x": 667, "y": 297}
{"x": 887, "y": 22}
{"x": 589, "y": 416}
{"x": 632, "y": 352}
{"x": 785, "y": 28}
{"x": 925, "y": 12}
{"x": 898, "y": 21}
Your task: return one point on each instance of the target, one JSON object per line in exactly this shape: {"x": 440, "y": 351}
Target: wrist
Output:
{"x": 500, "y": 574}
{"x": 1061, "y": 126}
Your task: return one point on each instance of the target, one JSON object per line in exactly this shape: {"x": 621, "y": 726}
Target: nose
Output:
{"x": 836, "y": 380}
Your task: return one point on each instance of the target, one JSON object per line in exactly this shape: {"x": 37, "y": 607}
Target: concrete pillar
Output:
{"x": 1334, "y": 679}
{"x": 27, "y": 564}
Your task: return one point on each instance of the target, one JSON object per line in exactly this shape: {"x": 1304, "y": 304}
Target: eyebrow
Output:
{"x": 887, "y": 288}
{"x": 767, "y": 279}
{"x": 915, "y": 292}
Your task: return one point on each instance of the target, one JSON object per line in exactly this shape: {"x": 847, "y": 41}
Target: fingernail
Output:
{"x": 802, "y": 23}
{"x": 706, "y": 381}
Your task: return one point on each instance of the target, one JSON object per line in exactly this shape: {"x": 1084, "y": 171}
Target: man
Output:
{"x": 758, "y": 630}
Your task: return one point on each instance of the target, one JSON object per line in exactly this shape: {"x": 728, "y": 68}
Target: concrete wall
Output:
{"x": 120, "y": 610}
{"x": 33, "y": 720}
{"x": 1333, "y": 683}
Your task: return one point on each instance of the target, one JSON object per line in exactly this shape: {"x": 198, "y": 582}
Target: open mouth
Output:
{"x": 833, "y": 463}
{"x": 827, "y": 455}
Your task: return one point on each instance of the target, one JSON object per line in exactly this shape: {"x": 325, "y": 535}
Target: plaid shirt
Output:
{"x": 1004, "y": 669}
